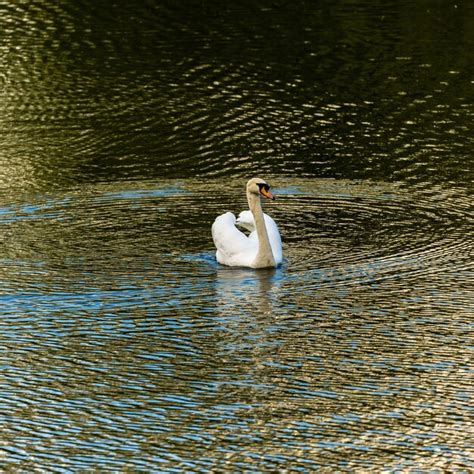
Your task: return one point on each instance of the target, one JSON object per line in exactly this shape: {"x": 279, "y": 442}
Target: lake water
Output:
{"x": 125, "y": 131}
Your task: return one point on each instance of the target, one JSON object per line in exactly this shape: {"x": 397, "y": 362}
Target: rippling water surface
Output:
{"x": 126, "y": 131}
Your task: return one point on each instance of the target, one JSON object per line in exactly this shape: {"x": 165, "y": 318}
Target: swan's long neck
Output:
{"x": 264, "y": 256}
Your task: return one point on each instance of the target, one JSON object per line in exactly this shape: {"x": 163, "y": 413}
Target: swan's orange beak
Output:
{"x": 267, "y": 194}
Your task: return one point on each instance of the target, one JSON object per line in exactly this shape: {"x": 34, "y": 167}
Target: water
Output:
{"x": 124, "y": 132}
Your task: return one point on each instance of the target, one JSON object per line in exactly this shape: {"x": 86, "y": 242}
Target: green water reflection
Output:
{"x": 342, "y": 89}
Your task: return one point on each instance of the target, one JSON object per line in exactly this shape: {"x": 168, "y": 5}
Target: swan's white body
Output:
{"x": 261, "y": 248}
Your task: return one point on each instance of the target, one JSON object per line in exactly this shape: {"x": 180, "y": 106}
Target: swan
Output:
{"x": 262, "y": 248}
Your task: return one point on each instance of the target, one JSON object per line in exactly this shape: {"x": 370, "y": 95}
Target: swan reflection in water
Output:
{"x": 247, "y": 290}
{"x": 247, "y": 303}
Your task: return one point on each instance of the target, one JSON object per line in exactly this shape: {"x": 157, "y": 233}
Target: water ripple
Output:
{"x": 126, "y": 129}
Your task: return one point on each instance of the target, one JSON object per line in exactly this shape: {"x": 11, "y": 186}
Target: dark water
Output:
{"x": 125, "y": 130}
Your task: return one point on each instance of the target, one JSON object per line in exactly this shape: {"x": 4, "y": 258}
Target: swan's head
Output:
{"x": 259, "y": 187}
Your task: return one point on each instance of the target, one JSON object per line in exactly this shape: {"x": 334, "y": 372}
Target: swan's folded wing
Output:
{"x": 232, "y": 244}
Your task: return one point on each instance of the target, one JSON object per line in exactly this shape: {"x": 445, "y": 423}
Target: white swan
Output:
{"x": 262, "y": 248}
